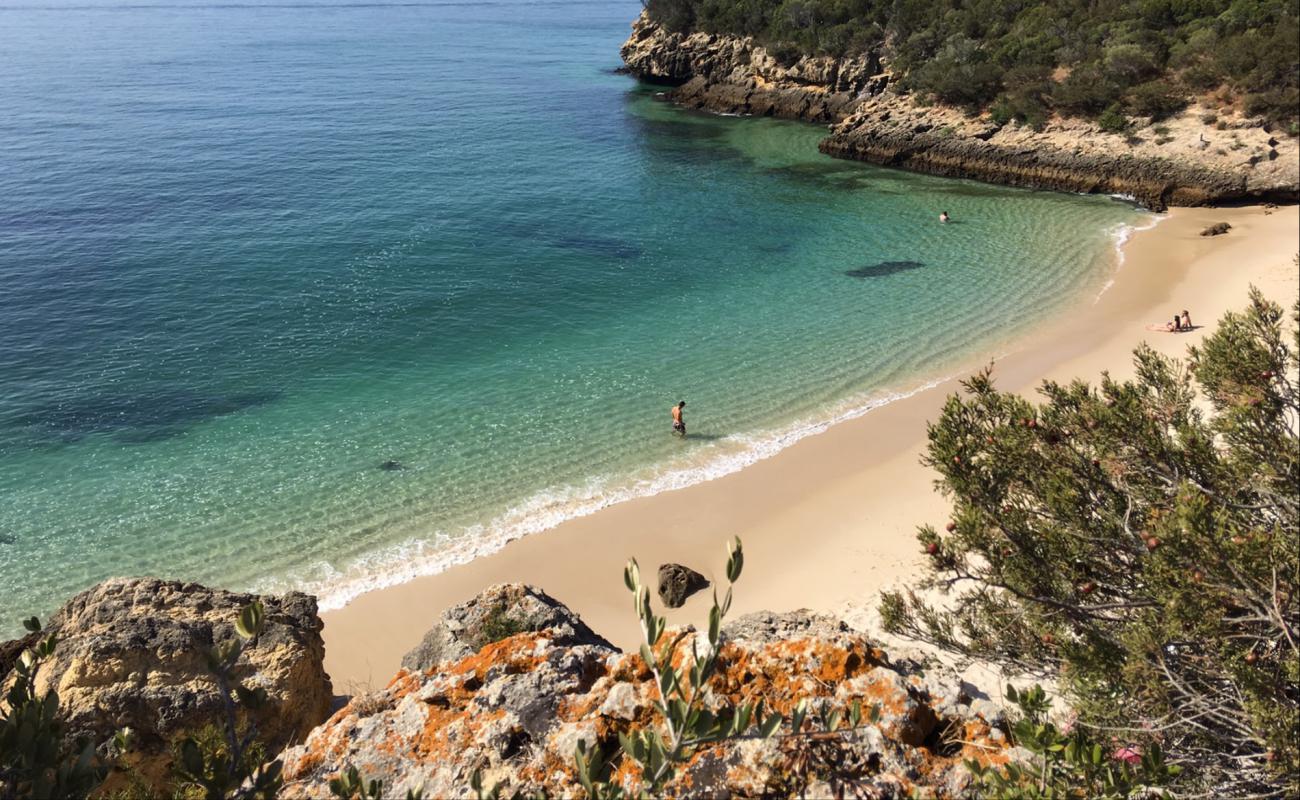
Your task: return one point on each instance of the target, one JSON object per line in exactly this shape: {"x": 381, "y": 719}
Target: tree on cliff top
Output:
{"x": 1141, "y": 539}
{"x": 1027, "y": 60}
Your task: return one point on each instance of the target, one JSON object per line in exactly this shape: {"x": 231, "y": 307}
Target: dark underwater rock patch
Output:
{"x": 883, "y": 268}
{"x": 138, "y": 418}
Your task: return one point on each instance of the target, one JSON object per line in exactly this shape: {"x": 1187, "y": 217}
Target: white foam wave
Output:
{"x": 412, "y": 559}
{"x": 1120, "y": 235}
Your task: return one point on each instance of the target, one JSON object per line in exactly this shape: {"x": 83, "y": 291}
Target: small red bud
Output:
{"x": 1254, "y": 402}
{"x": 1197, "y": 576}
{"x": 990, "y": 439}
{"x": 1266, "y": 374}
{"x": 932, "y": 548}
{"x": 1087, "y": 587}
{"x": 1239, "y": 540}
{"x": 1152, "y": 542}
{"x": 1251, "y": 657}
{"x": 956, "y": 459}
{"x": 950, "y": 527}
{"x": 1096, "y": 463}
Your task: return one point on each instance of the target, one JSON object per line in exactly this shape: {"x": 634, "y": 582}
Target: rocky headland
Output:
{"x": 1200, "y": 156}
{"x": 506, "y": 685}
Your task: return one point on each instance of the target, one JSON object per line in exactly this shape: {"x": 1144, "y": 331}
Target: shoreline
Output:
{"x": 829, "y": 520}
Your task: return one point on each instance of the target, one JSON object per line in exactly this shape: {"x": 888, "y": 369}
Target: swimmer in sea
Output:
{"x": 679, "y": 425}
{"x": 943, "y": 216}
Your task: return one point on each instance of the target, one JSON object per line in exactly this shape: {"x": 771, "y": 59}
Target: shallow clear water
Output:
{"x": 249, "y": 253}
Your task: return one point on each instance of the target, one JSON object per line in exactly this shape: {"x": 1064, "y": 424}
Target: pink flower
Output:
{"x": 1127, "y": 754}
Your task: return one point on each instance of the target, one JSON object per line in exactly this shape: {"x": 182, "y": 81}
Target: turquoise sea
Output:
{"x": 251, "y": 252}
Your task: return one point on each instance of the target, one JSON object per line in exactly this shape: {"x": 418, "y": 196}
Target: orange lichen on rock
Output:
{"x": 517, "y": 709}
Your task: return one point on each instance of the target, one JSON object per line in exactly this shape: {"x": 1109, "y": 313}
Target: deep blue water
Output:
{"x": 249, "y": 253}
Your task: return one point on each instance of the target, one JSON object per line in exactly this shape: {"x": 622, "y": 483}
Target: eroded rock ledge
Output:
{"x": 1199, "y": 157}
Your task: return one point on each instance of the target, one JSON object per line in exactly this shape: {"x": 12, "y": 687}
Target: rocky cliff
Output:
{"x": 1198, "y": 157}
{"x": 507, "y": 684}
{"x": 132, "y": 653}
{"x": 731, "y": 75}
{"x": 517, "y": 709}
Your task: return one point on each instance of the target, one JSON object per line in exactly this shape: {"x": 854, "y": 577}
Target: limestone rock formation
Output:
{"x": 131, "y": 652}
{"x": 517, "y": 708}
{"x": 497, "y": 612}
{"x": 676, "y": 583}
{"x": 738, "y": 76}
{"x": 765, "y": 626}
{"x": 1179, "y": 168}
{"x": 1181, "y": 161}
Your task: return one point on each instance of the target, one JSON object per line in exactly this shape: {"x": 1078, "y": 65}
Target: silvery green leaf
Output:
{"x": 770, "y": 725}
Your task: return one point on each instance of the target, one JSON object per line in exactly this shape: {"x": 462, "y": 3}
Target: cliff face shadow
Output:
{"x": 883, "y": 268}
{"x": 823, "y": 176}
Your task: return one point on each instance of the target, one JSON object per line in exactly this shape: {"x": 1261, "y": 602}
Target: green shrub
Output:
{"x": 1145, "y": 549}
{"x": 498, "y": 624}
{"x": 1155, "y": 99}
{"x": 1112, "y": 120}
{"x": 1070, "y": 763}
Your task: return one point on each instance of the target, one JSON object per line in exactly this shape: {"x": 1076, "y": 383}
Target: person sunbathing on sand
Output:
{"x": 1182, "y": 322}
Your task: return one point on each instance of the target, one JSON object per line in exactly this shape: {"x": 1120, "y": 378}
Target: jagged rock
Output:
{"x": 766, "y": 626}
{"x": 498, "y": 612}
{"x": 1189, "y": 166}
{"x": 676, "y": 583}
{"x": 738, "y": 76}
{"x": 1217, "y": 229}
{"x": 131, "y": 652}
{"x": 516, "y": 710}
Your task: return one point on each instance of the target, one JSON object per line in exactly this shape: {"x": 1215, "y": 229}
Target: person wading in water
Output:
{"x": 679, "y": 425}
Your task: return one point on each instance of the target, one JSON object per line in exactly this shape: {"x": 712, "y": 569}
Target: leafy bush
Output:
{"x": 1156, "y": 99}
{"x": 959, "y": 74}
{"x": 1112, "y": 120}
{"x": 1145, "y": 549}
{"x": 1069, "y": 763}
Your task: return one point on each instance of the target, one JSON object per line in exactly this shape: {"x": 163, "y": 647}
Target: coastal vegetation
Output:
{"x": 1140, "y": 541}
{"x": 1106, "y": 61}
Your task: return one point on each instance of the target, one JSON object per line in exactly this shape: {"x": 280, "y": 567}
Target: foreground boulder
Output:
{"x": 496, "y": 613}
{"x": 131, "y": 652}
{"x": 516, "y": 710}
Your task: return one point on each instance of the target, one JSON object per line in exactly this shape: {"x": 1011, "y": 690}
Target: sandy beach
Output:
{"x": 831, "y": 520}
